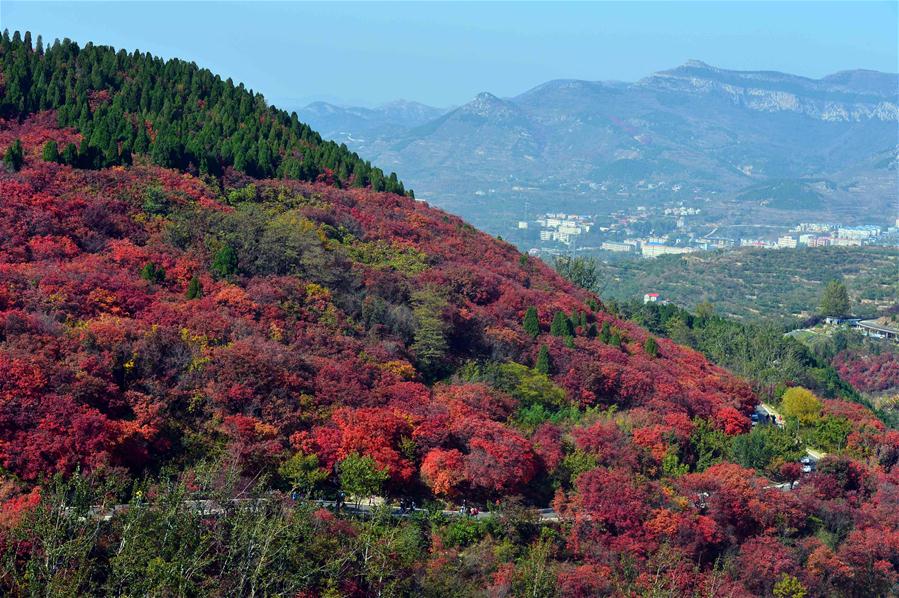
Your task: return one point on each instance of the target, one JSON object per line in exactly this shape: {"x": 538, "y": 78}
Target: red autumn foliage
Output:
{"x": 101, "y": 367}
{"x": 868, "y": 372}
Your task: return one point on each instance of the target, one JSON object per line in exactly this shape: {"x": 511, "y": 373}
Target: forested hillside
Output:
{"x": 170, "y": 342}
{"x": 179, "y": 115}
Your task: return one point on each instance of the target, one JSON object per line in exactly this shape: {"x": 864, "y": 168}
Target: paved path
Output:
{"x": 212, "y": 508}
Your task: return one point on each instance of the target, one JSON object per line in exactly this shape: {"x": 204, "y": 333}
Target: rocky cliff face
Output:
{"x": 848, "y": 96}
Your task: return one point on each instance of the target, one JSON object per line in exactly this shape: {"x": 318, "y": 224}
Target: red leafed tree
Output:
{"x": 761, "y": 563}
{"x": 497, "y": 459}
{"x": 255, "y": 444}
{"x": 731, "y": 421}
{"x": 443, "y": 471}
{"x": 610, "y": 509}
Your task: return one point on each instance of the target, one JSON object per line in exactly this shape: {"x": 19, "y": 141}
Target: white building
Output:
{"x": 867, "y": 231}
{"x": 787, "y": 242}
{"x": 655, "y": 250}
{"x": 617, "y": 247}
{"x": 814, "y": 227}
{"x": 651, "y": 298}
{"x": 756, "y": 243}
{"x": 845, "y": 242}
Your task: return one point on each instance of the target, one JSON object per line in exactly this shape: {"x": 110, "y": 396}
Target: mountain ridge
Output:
{"x": 695, "y": 126}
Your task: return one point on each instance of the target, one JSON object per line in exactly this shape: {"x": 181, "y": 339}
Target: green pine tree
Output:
{"x": 615, "y": 340}
{"x": 561, "y": 325}
{"x": 531, "y": 322}
{"x": 70, "y": 154}
{"x": 429, "y": 344}
{"x": 14, "y": 156}
{"x": 153, "y": 272}
{"x": 194, "y": 288}
{"x": 51, "y": 152}
{"x": 224, "y": 264}
{"x": 835, "y": 300}
{"x": 651, "y": 347}
{"x": 605, "y": 334}
{"x": 544, "y": 364}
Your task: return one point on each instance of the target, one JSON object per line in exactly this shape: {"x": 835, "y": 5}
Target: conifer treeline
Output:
{"x": 178, "y": 114}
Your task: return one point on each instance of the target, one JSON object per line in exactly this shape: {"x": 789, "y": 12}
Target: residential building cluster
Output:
{"x": 654, "y": 231}
{"x": 562, "y": 228}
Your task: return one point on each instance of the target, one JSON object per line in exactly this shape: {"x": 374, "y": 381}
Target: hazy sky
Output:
{"x": 444, "y": 54}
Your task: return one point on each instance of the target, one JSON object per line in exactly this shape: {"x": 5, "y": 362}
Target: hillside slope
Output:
{"x": 313, "y": 300}
{"x": 305, "y": 337}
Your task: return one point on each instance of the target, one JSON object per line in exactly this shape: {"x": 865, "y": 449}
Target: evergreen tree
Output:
{"x": 651, "y": 347}
{"x": 615, "y": 340}
{"x": 184, "y": 116}
{"x": 429, "y": 344}
{"x": 50, "y": 152}
{"x": 224, "y": 264}
{"x": 544, "y": 364}
{"x": 531, "y": 322}
{"x": 14, "y": 156}
{"x": 561, "y": 325}
{"x": 70, "y": 154}
{"x": 591, "y": 330}
{"x": 194, "y": 288}
{"x": 605, "y": 334}
{"x": 835, "y": 300}
{"x": 153, "y": 272}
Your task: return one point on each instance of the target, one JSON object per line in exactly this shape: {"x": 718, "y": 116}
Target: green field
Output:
{"x": 756, "y": 284}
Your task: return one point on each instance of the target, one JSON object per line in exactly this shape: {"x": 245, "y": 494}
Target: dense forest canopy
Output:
{"x": 188, "y": 363}
{"x": 178, "y": 114}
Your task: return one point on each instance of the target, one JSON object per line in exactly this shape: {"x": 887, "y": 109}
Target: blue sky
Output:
{"x": 444, "y": 54}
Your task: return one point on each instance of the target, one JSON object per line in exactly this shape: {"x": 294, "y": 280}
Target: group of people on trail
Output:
{"x": 467, "y": 511}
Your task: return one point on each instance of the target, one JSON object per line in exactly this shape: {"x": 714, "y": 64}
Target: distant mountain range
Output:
{"x": 697, "y": 133}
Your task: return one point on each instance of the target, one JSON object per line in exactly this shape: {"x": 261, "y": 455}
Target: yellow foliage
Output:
{"x": 399, "y": 368}
{"x": 802, "y": 404}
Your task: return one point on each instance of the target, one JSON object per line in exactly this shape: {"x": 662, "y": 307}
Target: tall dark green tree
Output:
{"x": 194, "y": 288}
{"x": 605, "y": 333}
{"x": 561, "y": 325}
{"x": 531, "y": 322}
{"x": 835, "y": 300}
{"x": 50, "y": 152}
{"x": 224, "y": 264}
{"x": 70, "y": 154}
{"x": 544, "y": 362}
{"x": 429, "y": 344}
{"x": 14, "y": 156}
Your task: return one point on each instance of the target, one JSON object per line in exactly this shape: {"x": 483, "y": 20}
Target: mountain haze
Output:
{"x": 714, "y": 132}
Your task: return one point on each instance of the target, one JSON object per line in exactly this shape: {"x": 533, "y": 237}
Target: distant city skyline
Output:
{"x": 443, "y": 54}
